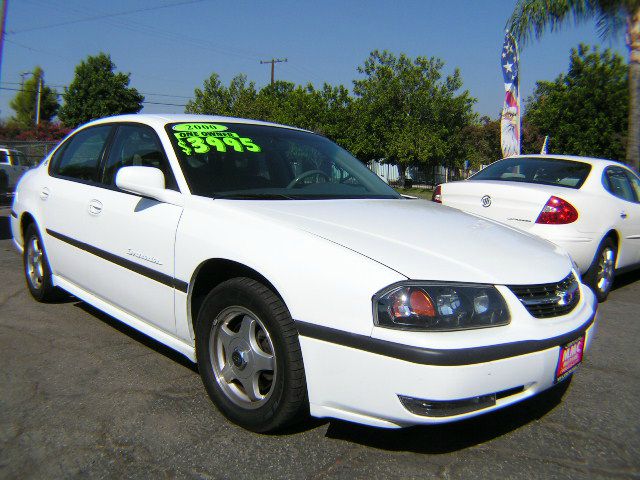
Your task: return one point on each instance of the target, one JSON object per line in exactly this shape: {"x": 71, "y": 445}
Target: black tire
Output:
{"x": 225, "y": 309}
{"x": 601, "y": 273}
{"x": 42, "y": 291}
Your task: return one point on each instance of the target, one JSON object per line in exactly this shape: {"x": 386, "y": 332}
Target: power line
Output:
{"x": 144, "y": 101}
{"x": 107, "y": 15}
{"x": 143, "y": 93}
{"x": 9, "y": 40}
{"x": 138, "y": 27}
{"x": 168, "y": 104}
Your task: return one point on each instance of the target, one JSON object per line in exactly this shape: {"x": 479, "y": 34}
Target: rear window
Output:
{"x": 543, "y": 171}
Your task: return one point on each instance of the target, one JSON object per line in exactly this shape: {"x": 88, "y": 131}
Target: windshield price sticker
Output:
{"x": 199, "y": 127}
{"x": 201, "y": 137}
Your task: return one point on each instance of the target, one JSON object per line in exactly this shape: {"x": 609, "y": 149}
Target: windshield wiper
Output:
{"x": 254, "y": 196}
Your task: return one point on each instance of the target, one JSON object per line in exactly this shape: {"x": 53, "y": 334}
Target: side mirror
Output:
{"x": 147, "y": 182}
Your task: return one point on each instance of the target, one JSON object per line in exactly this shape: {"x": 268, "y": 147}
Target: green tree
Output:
{"x": 25, "y": 101}
{"x": 97, "y": 91}
{"x": 483, "y": 142}
{"x": 337, "y": 120}
{"x": 238, "y": 99}
{"x": 325, "y": 111}
{"x": 584, "y": 111}
{"x": 408, "y": 114}
{"x": 533, "y": 17}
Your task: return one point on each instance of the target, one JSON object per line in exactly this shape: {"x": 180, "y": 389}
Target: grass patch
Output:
{"x": 415, "y": 192}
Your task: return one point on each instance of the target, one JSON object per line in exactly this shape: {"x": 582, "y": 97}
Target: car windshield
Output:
{"x": 244, "y": 161}
{"x": 544, "y": 171}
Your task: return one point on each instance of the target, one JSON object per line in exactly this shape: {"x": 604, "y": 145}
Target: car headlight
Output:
{"x": 433, "y": 306}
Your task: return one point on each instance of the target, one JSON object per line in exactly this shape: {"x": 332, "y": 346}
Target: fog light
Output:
{"x": 436, "y": 408}
{"x": 449, "y": 408}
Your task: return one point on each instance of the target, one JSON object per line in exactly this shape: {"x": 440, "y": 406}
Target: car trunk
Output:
{"x": 517, "y": 205}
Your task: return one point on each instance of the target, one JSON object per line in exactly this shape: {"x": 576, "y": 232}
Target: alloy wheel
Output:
{"x": 606, "y": 269}
{"x": 242, "y": 357}
{"x": 34, "y": 266}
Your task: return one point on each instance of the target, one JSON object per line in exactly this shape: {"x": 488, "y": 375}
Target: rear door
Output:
{"x": 635, "y": 184}
{"x": 625, "y": 187}
{"x": 64, "y": 196}
{"x": 117, "y": 246}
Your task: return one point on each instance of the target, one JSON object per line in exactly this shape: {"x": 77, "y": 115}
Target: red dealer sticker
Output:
{"x": 569, "y": 359}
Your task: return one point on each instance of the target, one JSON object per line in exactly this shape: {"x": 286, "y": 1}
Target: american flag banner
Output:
{"x": 510, "y": 122}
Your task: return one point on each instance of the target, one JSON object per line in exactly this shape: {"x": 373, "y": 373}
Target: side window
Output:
{"x": 4, "y": 159}
{"x": 618, "y": 184}
{"x": 80, "y": 157}
{"x": 137, "y": 146}
{"x": 635, "y": 184}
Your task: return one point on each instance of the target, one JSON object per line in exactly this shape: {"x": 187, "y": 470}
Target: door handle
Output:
{"x": 44, "y": 193}
{"x": 95, "y": 207}
{"x": 623, "y": 215}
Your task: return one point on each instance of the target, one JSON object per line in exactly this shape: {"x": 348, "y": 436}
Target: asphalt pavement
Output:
{"x": 82, "y": 395}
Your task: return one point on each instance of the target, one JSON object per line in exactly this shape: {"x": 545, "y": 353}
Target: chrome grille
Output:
{"x": 549, "y": 299}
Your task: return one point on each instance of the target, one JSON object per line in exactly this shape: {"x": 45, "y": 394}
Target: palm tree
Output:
{"x": 534, "y": 17}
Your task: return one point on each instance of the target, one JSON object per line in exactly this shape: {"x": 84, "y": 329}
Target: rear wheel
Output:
{"x": 249, "y": 356}
{"x": 601, "y": 274}
{"x": 36, "y": 267}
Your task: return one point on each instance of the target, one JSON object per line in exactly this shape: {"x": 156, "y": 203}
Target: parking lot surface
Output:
{"x": 82, "y": 395}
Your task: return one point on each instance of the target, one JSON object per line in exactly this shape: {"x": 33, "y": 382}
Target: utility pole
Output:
{"x": 38, "y": 101}
{"x": 22, "y": 75}
{"x": 273, "y": 62}
{"x": 3, "y": 21}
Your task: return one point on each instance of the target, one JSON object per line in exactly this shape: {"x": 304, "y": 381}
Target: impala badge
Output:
{"x": 144, "y": 257}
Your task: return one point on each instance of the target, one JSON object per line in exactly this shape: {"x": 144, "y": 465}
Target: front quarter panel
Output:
{"x": 320, "y": 282}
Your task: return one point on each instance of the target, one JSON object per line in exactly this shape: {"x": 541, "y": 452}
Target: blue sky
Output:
{"x": 171, "y": 47}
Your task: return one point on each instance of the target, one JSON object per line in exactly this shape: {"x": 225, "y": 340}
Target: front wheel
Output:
{"x": 249, "y": 356}
{"x": 601, "y": 274}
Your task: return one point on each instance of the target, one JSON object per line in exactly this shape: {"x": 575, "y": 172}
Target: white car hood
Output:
{"x": 423, "y": 240}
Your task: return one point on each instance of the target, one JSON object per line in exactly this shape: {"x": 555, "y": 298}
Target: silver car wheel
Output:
{"x": 34, "y": 266}
{"x": 606, "y": 269}
{"x": 242, "y": 357}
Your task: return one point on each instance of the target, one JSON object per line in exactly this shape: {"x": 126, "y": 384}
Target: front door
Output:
{"x": 618, "y": 182}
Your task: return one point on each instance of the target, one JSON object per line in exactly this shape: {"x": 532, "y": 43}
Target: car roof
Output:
{"x": 159, "y": 120}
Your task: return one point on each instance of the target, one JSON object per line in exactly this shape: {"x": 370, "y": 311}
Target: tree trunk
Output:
{"x": 633, "y": 131}
{"x": 402, "y": 171}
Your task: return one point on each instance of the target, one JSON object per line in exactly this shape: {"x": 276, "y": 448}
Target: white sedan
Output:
{"x": 296, "y": 278}
{"x": 588, "y": 206}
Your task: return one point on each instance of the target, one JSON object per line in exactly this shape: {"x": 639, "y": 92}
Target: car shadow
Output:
{"x": 625, "y": 279}
{"x": 434, "y": 439}
{"x": 451, "y": 437}
{"x": 137, "y": 336}
{"x": 5, "y": 228}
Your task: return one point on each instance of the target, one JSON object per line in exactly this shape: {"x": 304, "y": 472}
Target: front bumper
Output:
{"x": 354, "y": 383}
